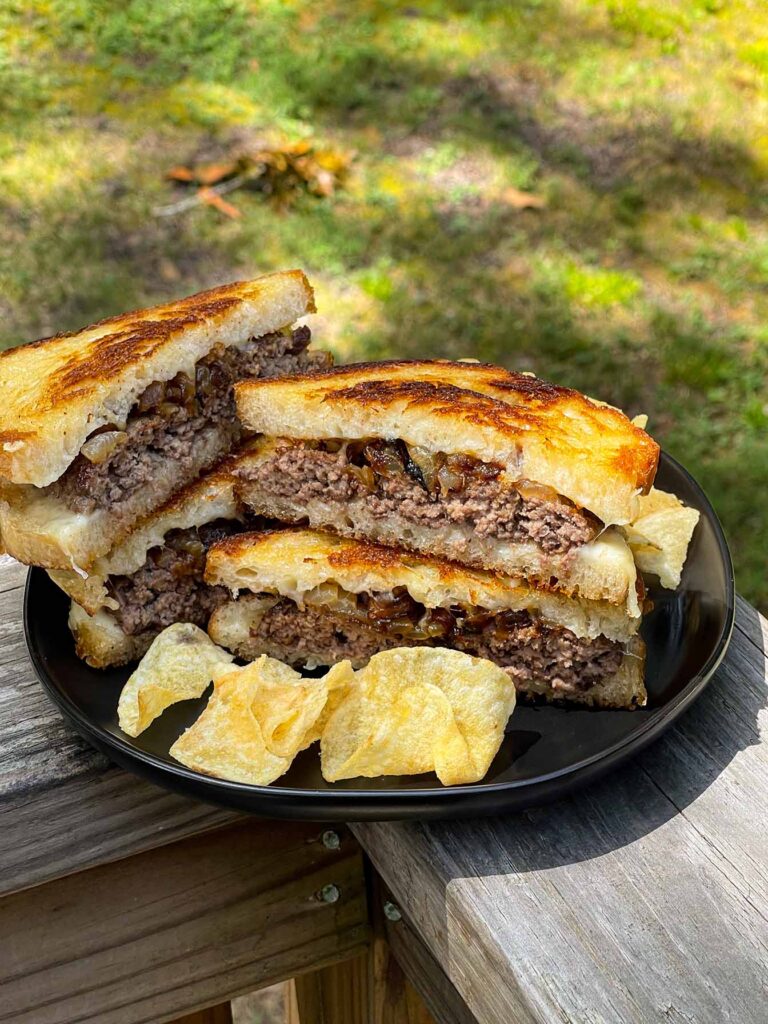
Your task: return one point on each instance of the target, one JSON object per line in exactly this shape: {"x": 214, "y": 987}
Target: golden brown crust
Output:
{"x": 100, "y": 642}
{"x": 55, "y": 391}
{"x": 588, "y": 451}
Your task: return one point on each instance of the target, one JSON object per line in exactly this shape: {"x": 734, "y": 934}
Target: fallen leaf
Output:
{"x": 280, "y": 173}
{"x": 210, "y": 198}
{"x": 211, "y": 174}
{"x": 180, "y": 173}
{"x": 523, "y": 200}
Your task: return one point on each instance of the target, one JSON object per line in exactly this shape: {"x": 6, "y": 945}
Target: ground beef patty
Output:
{"x": 170, "y": 417}
{"x": 527, "y": 648}
{"x": 530, "y": 650}
{"x": 169, "y": 586}
{"x": 311, "y": 632}
{"x": 382, "y": 475}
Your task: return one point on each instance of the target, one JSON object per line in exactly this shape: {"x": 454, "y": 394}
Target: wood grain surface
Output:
{"x": 180, "y": 928}
{"x": 221, "y": 1014}
{"x": 644, "y": 898}
{"x": 399, "y": 942}
{"x": 63, "y": 806}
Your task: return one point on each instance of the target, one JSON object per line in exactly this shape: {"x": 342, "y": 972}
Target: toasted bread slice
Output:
{"x": 602, "y": 570}
{"x": 210, "y": 497}
{"x": 56, "y": 392}
{"x": 235, "y": 625}
{"x": 586, "y": 451}
{"x": 100, "y": 642}
{"x": 293, "y": 562}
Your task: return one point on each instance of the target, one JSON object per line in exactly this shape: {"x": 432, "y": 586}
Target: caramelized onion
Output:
{"x": 384, "y": 458}
{"x": 411, "y": 468}
{"x": 448, "y": 479}
{"x": 429, "y": 465}
{"x": 537, "y": 492}
{"x": 97, "y": 449}
{"x": 395, "y": 605}
{"x": 364, "y": 474}
{"x": 354, "y": 451}
{"x": 396, "y": 614}
{"x": 203, "y": 380}
{"x": 334, "y": 598}
{"x": 151, "y": 396}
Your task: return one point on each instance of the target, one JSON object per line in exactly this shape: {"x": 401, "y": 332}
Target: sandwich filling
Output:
{"x": 333, "y": 624}
{"x": 173, "y": 420}
{"x": 169, "y": 586}
{"x": 434, "y": 490}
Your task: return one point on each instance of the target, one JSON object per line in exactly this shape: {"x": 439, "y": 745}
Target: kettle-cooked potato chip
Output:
{"x": 178, "y": 666}
{"x": 414, "y": 710}
{"x": 659, "y": 535}
{"x": 287, "y": 706}
{"x": 258, "y": 718}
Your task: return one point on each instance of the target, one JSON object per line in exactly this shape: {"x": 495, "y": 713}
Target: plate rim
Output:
{"x": 439, "y": 795}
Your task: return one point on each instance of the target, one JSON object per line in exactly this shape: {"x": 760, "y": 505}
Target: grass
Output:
{"x": 640, "y": 123}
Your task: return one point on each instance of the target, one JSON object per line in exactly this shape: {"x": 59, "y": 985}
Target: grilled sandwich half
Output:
{"x": 100, "y": 427}
{"x": 465, "y": 461}
{"x": 155, "y": 577}
{"x": 312, "y": 598}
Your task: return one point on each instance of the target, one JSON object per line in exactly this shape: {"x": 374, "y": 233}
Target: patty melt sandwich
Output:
{"x": 100, "y": 427}
{"x": 310, "y": 598}
{"x": 465, "y": 461}
{"x": 155, "y": 576}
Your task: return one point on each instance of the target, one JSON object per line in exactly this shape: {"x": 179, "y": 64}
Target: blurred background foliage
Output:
{"x": 577, "y": 188}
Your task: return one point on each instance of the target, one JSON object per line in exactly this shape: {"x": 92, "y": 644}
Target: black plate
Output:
{"x": 546, "y": 753}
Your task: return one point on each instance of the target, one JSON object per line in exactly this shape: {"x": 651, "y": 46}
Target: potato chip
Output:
{"x": 659, "y": 535}
{"x": 258, "y": 718}
{"x": 287, "y": 706}
{"x": 178, "y": 666}
{"x": 414, "y": 710}
{"x": 339, "y": 679}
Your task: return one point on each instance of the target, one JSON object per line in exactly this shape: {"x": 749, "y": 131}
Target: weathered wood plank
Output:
{"x": 221, "y": 1014}
{"x": 368, "y": 989}
{"x": 417, "y": 964}
{"x": 182, "y": 927}
{"x": 338, "y": 994}
{"x": 643, "y": 898}
{"x": 63, "y": 807}
{"x": 92, "y": 819}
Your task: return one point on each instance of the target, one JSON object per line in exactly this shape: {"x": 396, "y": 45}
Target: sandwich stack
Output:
{"x": 111, "y": 447}
{"x": 197, "y": 462}
{"x": 448, "y": 504}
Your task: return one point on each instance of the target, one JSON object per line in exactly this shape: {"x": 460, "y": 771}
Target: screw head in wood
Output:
{"x": 329, "y": 893}
{"x": 392, "y": 911}
{"x": 331, "y": 839}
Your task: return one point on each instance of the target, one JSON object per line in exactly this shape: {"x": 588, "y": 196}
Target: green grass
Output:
{"x": 642, "y": 123}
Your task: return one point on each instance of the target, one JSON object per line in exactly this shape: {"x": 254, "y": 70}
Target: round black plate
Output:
{"x": 546, "y": 753}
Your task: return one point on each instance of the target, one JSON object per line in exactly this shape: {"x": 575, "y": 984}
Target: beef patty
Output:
{"x": 519, "y": 642}
{"x": 171, "y": 416}
{"x": 169, "y": 586}
{"x": 428, "y": 490}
